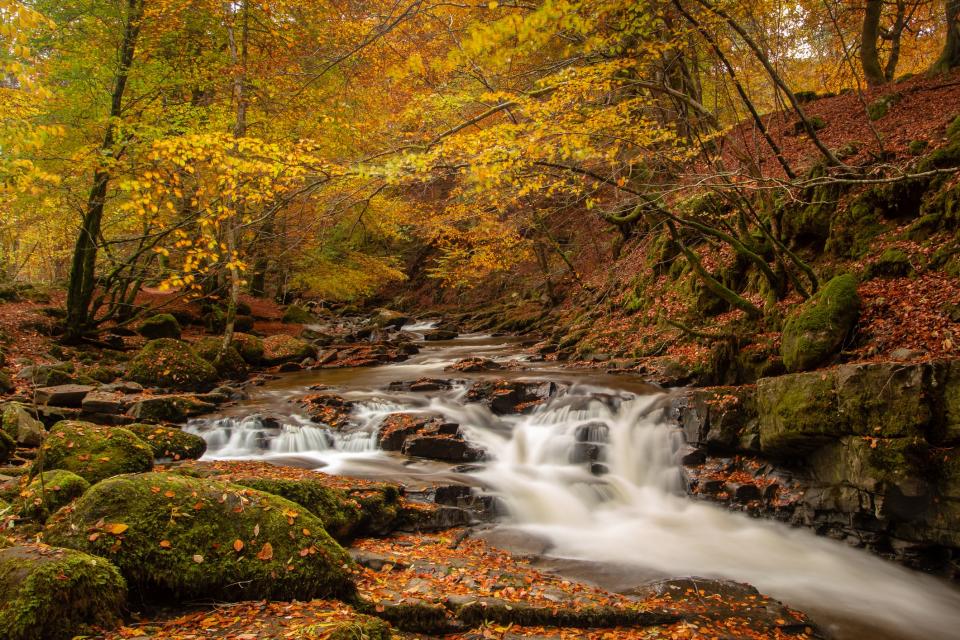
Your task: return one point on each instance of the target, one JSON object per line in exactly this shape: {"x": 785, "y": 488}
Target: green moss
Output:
{"x": 816, "y": 330}
{"x": 249, "y": 347}
{"x": 881, "y": 106}
{"x": 295, "y": 314}
{"x": 408, "y": 614}
{"x": 798, "y": 413}
{"x": 953, "y": 129}
{"x": 341, "y": 515}
{"x": 917, "y": 147}
{"x": 230, "y": 365}
{"x": 807, "y": 224}
{"x": 171, "y": 364}
{"x": 57, "y": 594}
{"x": 181, "y": 540}
{"x": 281, "y": 348}
{"x": 49, "y": 491}
{"x": 884, "y": 400}
{"x": 92, "y": 452}
{"x": 162, "y": 325}
{"x": 157, "y": 409}
{"x": 170, "y": 442}
{"x": 892, "y": 263}
{"x": 7, "y": 446}
{"x": 104, "y": 375}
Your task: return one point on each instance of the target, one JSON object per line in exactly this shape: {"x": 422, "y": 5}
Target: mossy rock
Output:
{"x": 249, "y": 347}
{"x": 6, "y": 383}
{"x": 360, "y": 628}
{"x": 340, "y": 514}
{"x": 892, "y": 263}
{"x": 231, "y": 365}
{"x": 157, "y": 409}
{"x": 171, "y": 364}
{"x": 808, "y": 224}
{"x": 817, "y": 330}
{"x": 103, "y": 375}
{"x": 281, "y": 348}
{"x": 917, "y": 147}
{"x": 884, "y": 399}
{"x": 180, "y": 538}
{"x": 162, "y": 325}
{"x": 170, "y": 442}
{"x": 8, "y": 446}
{"x": 49, "y": 491}
{"x": 881, "y": 106}
{"x": 798, "y": 413}
{"x": 48, "y": 593}
{"x": 92, "y": 452}
{"x": 296, "y": 314}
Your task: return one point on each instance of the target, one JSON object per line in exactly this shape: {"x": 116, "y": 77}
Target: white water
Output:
{"x": 634, "y": 516}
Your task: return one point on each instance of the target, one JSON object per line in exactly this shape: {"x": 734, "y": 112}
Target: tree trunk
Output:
{"x": 82, "y": 280}
{"x": 869, "y": 54}
{"x": 239, "y": 58}
{"x": 950, "y": 57}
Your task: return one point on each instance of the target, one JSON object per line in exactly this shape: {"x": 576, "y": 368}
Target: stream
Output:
{"x": 632, "y": 524}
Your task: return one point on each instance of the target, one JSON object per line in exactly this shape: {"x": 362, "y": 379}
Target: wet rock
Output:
{"x": 390, "y": 318}
{"x": 440, "y": 447}
{"x": 397, "y": 427}
{"x": 122, "y": 386}
{"x": 743, "y": 492}
{"x": 328, "y": 409}
{"x": 474, "y": 611}
{"x": 421, "y": 385}
{"x": 48, "y": 593}
{"x": 471, "y": 365}
{"x": 440, "y": 334}
{"x": 505, "y": 397}
{"x": 64, "y": 395}
{"x": 716, "y": 418}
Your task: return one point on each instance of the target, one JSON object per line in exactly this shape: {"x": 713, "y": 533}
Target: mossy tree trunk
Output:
{"x": 950, "y": 56}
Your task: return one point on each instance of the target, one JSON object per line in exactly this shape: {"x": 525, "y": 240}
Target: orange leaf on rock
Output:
{"x": 266, "y": 553}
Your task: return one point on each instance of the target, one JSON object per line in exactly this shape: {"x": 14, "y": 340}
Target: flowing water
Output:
{"x": 631, "y": 524}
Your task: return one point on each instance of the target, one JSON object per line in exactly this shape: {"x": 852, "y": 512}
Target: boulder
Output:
{"x": 468, "y": 365}
{"x": 48, "y": 593}
{"x": 229, "y": 365}
{"x": 341, "y": 515}
{"x": 92, "y": 452}
{"x": 295, "y": 314}
{"x": 47, "y": 375}
{"x": 249, "y": 347}
{"x": 817, "y": 330}
{"x": 504, "y": 396}
{"x": 20, "y": 425}
{"x": 170, "y": 442}
{"x": 64, "y": 395}
{"x": 108, "y": 402}
{"x": 281, "y": 348}
{"x": 441, "y": 447}
{"x": 798, "y": 413}
{"x": 169, "y": 408}
{"x": 162, "y": 325}
{"x": 172, "y": 364}
{"x": 390, "y": 318}
{"x": 183, "y": 538}
{"x": 122, "y": 386}
{"x": 49, "y": 491}
{"x": 6, "y": 383}
{"x": 716, "y": 418}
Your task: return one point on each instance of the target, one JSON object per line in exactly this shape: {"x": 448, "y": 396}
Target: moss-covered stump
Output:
{"x": 818, "y": 329}
{"x": 249, "y": 347}
{"x": 182, "y": 538}
{"x": 56, "y": 594}
{"x": 170, "y": 442}
{"x": 49, "y": 491}
{"x": 295, "y": 314}
{"x": 171, "y": 364}
{"x": 92, "y": 452}
{"x": 162, "y": 325}
{"x": 281, "y": 348}
{"x": 341, "y": 515}
{"x": 230, "y": 364}
{"x": 798, "y": 413}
